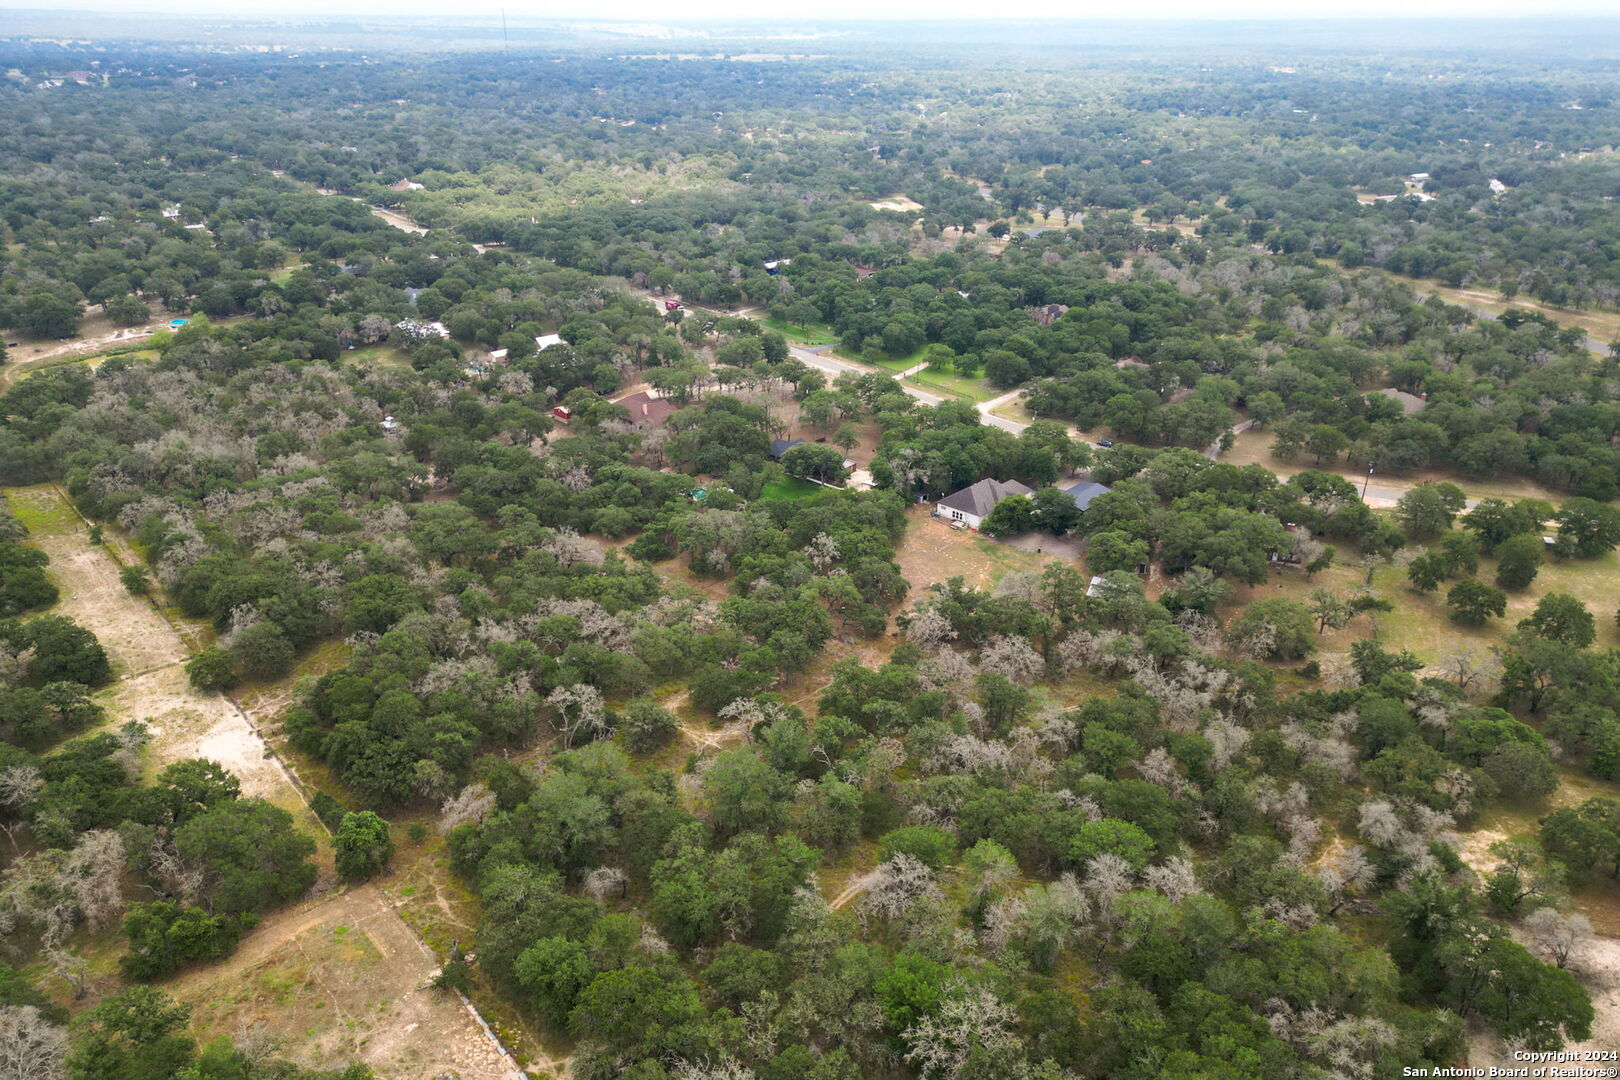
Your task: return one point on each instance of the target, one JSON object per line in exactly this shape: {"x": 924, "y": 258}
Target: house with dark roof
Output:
{"x": 1082, "y": 493}
{"x": 973, "y": 503}
{"x": 647, "y": 411}
{"x": 782, "y": 446}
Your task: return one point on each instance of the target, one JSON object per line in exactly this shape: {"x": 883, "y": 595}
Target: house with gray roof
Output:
{"x": 973, "y": 503}
{"x": 1083, "y": 492}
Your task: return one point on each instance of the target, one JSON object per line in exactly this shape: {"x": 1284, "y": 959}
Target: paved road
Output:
{"x": 823, "y": 360}
{"x": 989, "y": 417}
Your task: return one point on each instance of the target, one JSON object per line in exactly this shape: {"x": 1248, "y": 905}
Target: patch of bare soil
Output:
{"x": 340, "y": 979}
{"x": 932, "y": 551}
{"x": 188, "y": 724}
{"x": 136, "y": 637}
{"x": 1597, "y": 965}
{"x": 898, "y": 203}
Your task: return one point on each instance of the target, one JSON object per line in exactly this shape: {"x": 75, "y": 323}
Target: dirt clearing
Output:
{"x": 897, "y": 203}
{"x": 933, "y": 551}
{"x": 340, "y": 979}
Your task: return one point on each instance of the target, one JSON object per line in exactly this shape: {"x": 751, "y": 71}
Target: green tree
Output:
{"x": 212, "y": 669}
{"x": 250, "y": 855}
{"x": 1111, "y": 836}
{"x": 1056, "y": 510}
{"x": 64, "y": 651}
{"x": 139, "y": 1034}
{"x": 815, "y": 461}
{"x": 362, "y": 846}
{"x": 932, "y": 846}
{"x": 1523, "y": 999}
{"x": 1326, "y": 441}
{"x": 1115, "y": 550}
{"x": 136, "y": 580}
{"x": 1584, "y": 838}
{"x": 745, "y": 792}
{"x": 1428, "y": 571}
{"x": 644, "y": 725}
{"x": 1473, "y": 602}
{"x": 127, "y": 310}
{"x": 263, "y": 652}
{"x": 1010, "y": 517}
{"x": 1562, "y": 618}
{"x": 1429, "y": 509}
{"x": 1519, "y": 560}
{"x": 553, "y": 971}
{"x": 165, "y": 936}
{"x": 1590, "y": 527}
{"x": 48, "y": 315}
{"x": 640, "y": 1011}
{"x": 1274, "y": 628}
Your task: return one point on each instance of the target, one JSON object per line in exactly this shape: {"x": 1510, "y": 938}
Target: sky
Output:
{"x": 693, "y": 10}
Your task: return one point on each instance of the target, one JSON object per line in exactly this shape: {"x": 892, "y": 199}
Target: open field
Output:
{"x": 334, "y": 978}
{"x": 1602, "y": 326}
{"x": 1254, "y": 447}
{"x": 1421, "y": 622}
{"x": 342, "y": 978}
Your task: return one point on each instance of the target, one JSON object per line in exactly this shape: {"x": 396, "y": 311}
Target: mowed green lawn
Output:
{"x": 790, "y": 487}
{"x": 956, "y": 385}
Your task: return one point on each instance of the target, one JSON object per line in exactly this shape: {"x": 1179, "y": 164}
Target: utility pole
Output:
{"x": 1365, "y": 482}
{"x": 506, "y": 45}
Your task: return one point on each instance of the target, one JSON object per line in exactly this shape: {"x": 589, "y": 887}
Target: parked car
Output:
{"x": 1105, "y": 443}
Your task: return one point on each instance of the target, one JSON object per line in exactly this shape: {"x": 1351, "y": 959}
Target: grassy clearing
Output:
{"x": 1602, "y": 325}
{"x": 898, "y": 364}
{"x": 956, "y": 385}
{"x": 790, "y": 487}
{"x": 379, "y": 356}
{"x": 43, "y": 510}
{"x": 1014, "y": 409}
{"x": 1253, "y": 447}
{"x": 1421, "y": 622}
{"x": 815, "y": 334}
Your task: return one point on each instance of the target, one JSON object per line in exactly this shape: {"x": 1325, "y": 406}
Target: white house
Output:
{"x": 973, "y": 504}
{"x": 546, "y": 341}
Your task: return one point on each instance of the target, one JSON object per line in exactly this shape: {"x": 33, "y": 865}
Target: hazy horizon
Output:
{"x": 701, "y": 11}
